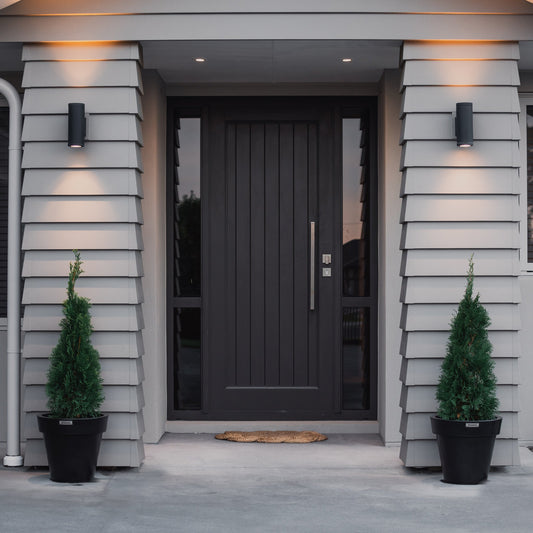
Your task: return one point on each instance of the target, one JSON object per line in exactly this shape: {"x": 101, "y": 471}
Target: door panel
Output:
{"x": 272, "y": 361}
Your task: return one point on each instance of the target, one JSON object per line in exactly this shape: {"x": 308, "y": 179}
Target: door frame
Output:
{"x": 364, "y": 107}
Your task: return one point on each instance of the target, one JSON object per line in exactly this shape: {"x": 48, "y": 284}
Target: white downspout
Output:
{"x": 13, "y": 457}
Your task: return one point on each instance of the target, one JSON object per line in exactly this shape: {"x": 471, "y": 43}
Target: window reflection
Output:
{"x": 188, "y": 215}
{"x": 354, "y": 212}
{"x": 187, "y": 359}
{"x": 355, "y": 358}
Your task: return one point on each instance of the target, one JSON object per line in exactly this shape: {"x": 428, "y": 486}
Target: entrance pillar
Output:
{"x": 88, "y": 199}
{"x": 457, "y": 202}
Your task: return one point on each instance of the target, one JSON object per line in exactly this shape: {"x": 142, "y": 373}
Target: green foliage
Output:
{"x": 74, "y": 386}
{"x": 467, "y": 386}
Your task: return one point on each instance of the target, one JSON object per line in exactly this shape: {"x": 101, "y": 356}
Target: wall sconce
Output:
{"x": 76, "y": 125}
{"x": 464, "y": 124}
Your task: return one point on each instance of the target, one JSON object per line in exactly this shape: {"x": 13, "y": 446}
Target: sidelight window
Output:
{"x": 186, "y": 256}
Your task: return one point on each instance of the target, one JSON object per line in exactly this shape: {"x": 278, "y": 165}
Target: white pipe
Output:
{"x": 13, "y": 457}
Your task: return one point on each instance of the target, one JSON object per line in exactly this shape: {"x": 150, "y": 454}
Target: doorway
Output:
{"x": 272, "y": 261}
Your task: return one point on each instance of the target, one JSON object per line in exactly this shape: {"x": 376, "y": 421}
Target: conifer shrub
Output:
{"x": 74, "y": 386}
{"x": 467, "y": 385}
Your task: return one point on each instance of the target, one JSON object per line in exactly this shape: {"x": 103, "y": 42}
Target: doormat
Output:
{"x": 296, "y": 437}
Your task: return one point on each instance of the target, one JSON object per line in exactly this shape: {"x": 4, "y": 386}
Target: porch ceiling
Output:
{"x": 267, "y": 61}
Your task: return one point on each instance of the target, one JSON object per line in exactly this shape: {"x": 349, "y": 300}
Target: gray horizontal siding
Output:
{"x": 427, "y": 73}
{"x": 94, "y": 155}
{"x": 427, "y": 371}
{"x": 82, "y": 209}
{"x": 104, "y": 317}
{"x": 110, "y": 344}
{"x": 110, "y": 73}
{"x": 96, "y": 263}
{"x": 451, "y": 289}
{"x": 123, "y": 290}
{"x": 87, "y": 236}
{"x": 450, "y": 50}
{"x": 443, "y": 99}
{"x": 460, "y": 180}
{"x": 87, "y": 199}
{"x": 441, "y": 126}
{"x": 429, "y": 344}
{"x": 87, "y": 52}
{"x": 445, "y": 262}
{"x": 101, "y": 100}
{"x": 76, "y": 181}
{"x": 114, "y": 371}
{"x": 444, "y": 153}
{"x": 100, "y": 128}
{"x": 457, "y": 203}
{"x": 460, "y": 208}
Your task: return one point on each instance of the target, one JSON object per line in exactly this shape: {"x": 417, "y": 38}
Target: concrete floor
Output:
{"x": 194, "y": 483}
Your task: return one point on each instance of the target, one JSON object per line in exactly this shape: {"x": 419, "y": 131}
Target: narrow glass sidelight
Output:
{"x": 354, "y": 209}
{"x": 358, "y": 294}
{"x": 186, "y": 267}
{"x": 188, "y": 209}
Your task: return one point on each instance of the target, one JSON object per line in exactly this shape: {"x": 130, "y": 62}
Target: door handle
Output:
{"x": 312, "y": 263}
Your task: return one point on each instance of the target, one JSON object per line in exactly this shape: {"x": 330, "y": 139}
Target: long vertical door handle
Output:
{"x": 312, "y": 262}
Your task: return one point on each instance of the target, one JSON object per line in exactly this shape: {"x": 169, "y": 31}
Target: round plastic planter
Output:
{"x": 72, "y": 446}
{"x": 465, "y": 448}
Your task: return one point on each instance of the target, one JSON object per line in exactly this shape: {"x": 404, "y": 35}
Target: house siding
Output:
{"x": 88, "y": 199}
{"x": 456, "y": 202}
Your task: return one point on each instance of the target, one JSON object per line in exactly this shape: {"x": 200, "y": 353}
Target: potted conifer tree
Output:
{"x": 73, "y": 428}
{"x": 466, "y": 424}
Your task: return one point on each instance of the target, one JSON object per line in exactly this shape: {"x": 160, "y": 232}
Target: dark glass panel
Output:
{"x": 354, "y": 209}
{"x": 188, "y": 210}
{"x": 187, "y": 359}
{"x": 355, "y": 358}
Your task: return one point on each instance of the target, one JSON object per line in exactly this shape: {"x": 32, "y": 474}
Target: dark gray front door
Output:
{"x": 267, "y": 310}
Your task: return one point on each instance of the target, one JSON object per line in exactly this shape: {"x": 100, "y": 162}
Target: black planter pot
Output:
{"x": 72, "y": 446}
{"x": 465, "y": 448}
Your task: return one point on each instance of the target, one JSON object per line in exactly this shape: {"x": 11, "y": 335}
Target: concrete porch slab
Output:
{"x": 194, "y": 483}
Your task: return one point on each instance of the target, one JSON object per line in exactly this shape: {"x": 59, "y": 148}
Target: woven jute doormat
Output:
{"x": 272, "y": 436}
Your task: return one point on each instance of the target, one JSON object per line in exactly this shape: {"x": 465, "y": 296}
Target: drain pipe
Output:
{"x": 13, "y": 457}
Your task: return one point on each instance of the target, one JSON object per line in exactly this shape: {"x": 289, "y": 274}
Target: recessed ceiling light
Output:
{"x": 346, "y": 59}
{"x": 200, "y": 59}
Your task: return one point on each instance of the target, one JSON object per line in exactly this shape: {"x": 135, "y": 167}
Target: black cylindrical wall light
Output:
{"x": 464, "y": 124}
{"x": 76, "y": 125}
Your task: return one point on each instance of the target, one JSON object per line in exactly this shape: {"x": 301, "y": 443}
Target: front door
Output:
{"x": 275, "y": 329}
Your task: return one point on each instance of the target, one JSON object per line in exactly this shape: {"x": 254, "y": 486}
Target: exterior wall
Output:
{"x": 89, "y": 199}
{"x": 154, "y": 255}
{"x": 456, "y": 202}
{"x": 389, "y": 204}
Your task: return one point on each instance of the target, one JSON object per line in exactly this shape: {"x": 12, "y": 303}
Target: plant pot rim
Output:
{"x": 496, "y": 418}
{"x": 465, "y": 428}
{"x": 48, "y": 416}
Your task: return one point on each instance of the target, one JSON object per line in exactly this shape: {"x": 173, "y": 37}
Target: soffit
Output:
{"x": 271, "y": 61}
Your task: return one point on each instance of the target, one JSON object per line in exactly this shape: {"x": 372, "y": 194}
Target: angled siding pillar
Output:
{"x": 456, "y": 202}
{"x": 89, "y": 199}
